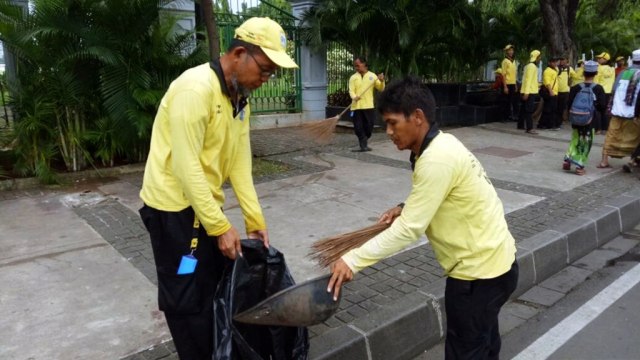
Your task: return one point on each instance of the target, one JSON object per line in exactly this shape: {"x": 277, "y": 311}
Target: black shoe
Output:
{"x": 359, "y": 150}
{"x": 626, "y": 168}
{"x": 367, "y": 149}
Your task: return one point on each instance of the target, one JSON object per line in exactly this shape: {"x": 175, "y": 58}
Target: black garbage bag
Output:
{"x": 252, "y": 278}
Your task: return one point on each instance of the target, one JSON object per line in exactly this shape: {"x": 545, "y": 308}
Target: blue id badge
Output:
{"x": 187, "y": 265}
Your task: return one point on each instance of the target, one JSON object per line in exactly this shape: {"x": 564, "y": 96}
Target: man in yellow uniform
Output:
{"x": 453, "y": 202}
{"x": 363, "y": 115}
{"x": 549, "y": 119}
{"x": 577, "y": 76}
{"x": 510, "y": 88}
{"x": 606, "y": 77}
{"x": 529, "y": 91}
{"x": 200, "y": 140}
{"x": 564, "y": 74}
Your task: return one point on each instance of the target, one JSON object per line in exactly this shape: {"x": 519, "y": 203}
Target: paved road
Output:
{"x": 77, "y": 271}
{"x": 599, "y": 320}
{"x": 586, "y": 311}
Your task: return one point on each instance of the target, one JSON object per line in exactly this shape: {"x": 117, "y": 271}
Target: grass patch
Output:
{"x": 266, "y": 167}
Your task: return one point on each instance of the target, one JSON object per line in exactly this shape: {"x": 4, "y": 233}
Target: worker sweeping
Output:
{"x": 361, "y": 86}
{"x": 453, "y": 202}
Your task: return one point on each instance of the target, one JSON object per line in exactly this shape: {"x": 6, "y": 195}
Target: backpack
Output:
{"x": 583, "y": 107}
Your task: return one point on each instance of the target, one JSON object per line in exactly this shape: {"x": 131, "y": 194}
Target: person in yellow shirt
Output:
{"x": 453, "y": 202}
{"x": 549, "y": 119}
{"x": 200, "y": 140}
{"x": 361, "y": 86}
{"x": 510, "y": 88}
{"x": 606, "y": 77}
{"x": 577, "y": 76}
{"x": 529, "y": 92}
{"x": 564, "y": 74}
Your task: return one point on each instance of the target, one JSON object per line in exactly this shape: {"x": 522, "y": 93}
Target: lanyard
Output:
{"x": 194, "y": 239}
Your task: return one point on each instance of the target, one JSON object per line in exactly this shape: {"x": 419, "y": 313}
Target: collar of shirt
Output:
{"x": 431, "y": 134}
{"x": 242, "y": 101}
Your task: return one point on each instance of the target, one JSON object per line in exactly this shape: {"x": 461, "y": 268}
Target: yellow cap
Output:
{"x": 604, "y": 55}
{"x": 269, "y": 36}
{"x": 620, "y": 58}
{"x": 534, "y": 55}
{"x": 508, "y": 47}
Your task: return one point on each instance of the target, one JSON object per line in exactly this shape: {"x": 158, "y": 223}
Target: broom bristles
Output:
{"x": 320, "y": 131}
{"x": 330, "y": 249}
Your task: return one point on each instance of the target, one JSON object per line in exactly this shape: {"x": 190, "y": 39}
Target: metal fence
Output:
{"x": 282, "y": 93}
{"x": 339, "y": 69}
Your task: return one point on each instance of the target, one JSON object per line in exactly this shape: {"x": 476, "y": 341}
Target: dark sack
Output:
{"x": 544, "y": 93}
{"x": 583, "y": 108}
{"x": 257, "y": 275}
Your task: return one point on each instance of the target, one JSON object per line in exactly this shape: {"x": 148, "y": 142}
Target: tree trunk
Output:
{"x": 213, "y": 36}
{"x": 559, "y": 17}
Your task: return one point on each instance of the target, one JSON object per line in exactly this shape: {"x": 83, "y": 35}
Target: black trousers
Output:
{"x": 601, "y": 119}
{"x": 186, "y": 300}
{"x": 363, "y": 125}
{"x": 472, "y": 309}
{"x": 526, "y": 112}
{"x": 511, "y": 105}
{"x": 549, "y": 119}
{"x": 563, "y": 103}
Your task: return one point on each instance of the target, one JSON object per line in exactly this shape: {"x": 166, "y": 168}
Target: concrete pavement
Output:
{"x": 77, "y": 272}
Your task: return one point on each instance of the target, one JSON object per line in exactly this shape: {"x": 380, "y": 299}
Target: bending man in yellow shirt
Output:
{"x": 453, "y": 202}
{"x": 200, "y": 140}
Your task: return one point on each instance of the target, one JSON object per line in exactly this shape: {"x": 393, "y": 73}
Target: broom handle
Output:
{"x": 349, "y": 106}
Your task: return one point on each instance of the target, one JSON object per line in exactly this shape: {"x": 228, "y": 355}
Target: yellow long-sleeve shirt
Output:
{"x": 577, "y": 76}
{"x": 530, "y": 79}
{"x": 550, "y": 79}
{"x": 509, "y": 69}
{"x": 196, "y": 145}
{"x": 605, "y": 77}
{"x": 363, "y": 85}
{"x": 453, "y": 202}
{"x": 563, "y": 80}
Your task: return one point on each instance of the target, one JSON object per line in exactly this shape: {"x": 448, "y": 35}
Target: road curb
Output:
{"x": 405, "y": 328}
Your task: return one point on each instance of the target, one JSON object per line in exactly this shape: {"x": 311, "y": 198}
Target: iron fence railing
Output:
{"x": 339, "y": 69}
{"x": 282, "y": 93}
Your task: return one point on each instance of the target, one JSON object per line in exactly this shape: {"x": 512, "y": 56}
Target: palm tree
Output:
{"x": 100, "y": 67}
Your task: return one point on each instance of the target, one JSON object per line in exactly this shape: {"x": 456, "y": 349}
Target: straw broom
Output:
{"x": 328, "y": 250}
{"x": 322, "y": 131}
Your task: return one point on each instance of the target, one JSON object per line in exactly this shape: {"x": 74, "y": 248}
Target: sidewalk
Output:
{"x": 78, "y": 268}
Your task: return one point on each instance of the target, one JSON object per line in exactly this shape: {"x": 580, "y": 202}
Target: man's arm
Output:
{"x": 505, "y": 69}
{"x": 188, "y": 118}
{"x": 431, "y": 184}
{"x": 352, "y": 88}
{"x": 379, "y": 85}
{"x": 241, "y": 178}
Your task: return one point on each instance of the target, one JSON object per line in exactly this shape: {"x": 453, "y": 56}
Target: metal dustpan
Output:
{"x": 304, "y": 304}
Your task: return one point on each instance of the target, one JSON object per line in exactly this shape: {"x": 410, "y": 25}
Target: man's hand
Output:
{"x": 340, "y": 273}
{"x": 260, "y": 235}
{"x": 229, "y": 243}
{"x": 506, "y": 90}
{"x": 390, "y": 215}
{"x": 381, "y": 76}
{"x": 356, "y": 98}
{"x": 525, "y": 97}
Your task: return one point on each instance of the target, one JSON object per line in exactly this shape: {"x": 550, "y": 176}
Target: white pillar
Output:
{"x": 313, "y": 71}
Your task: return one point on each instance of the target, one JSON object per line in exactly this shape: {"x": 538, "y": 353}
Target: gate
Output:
{"x": 282, "y": 93}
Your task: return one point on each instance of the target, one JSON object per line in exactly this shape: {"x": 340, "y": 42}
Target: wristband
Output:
{"x": 401, "y": 205}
